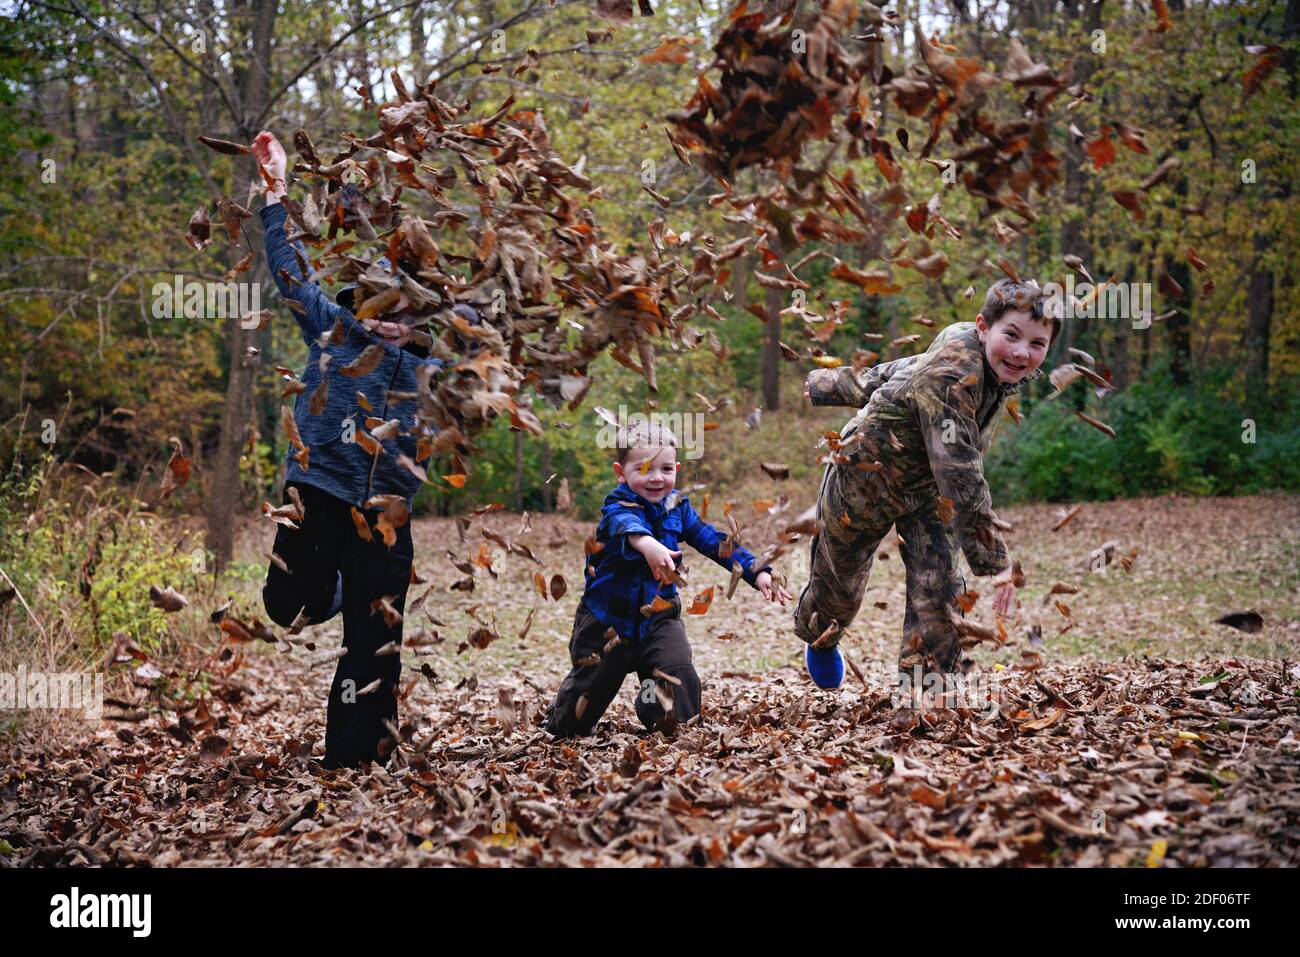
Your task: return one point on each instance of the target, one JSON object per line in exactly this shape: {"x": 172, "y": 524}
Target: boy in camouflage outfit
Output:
{"x": 911, "y": 458}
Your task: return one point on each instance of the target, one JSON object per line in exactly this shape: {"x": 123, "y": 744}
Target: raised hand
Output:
{"x": 268, "y": 151}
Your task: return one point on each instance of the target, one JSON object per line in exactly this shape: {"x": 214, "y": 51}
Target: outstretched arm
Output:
{"x": 319, "y": 313}
{"x": 847, "y": 386}
{"x": 709, "y": 542}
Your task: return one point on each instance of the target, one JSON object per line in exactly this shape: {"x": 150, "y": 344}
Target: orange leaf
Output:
{"x": 702, "y": 602}
{"x": 363, "y": 529}
{"x": 1101, "y": 150}
{"x": 929, "y": 797}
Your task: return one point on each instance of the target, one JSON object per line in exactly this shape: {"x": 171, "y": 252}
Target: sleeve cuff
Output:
{"x": 272, "y": 214}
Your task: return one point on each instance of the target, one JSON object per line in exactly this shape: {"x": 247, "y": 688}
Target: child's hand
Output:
{"x": 769, "y": 591}
{"x": 268, "y": 151}
{"x": 1004, "y": 598}
{"x": 1004, "y": 595}
{"x": 659, "y": 556}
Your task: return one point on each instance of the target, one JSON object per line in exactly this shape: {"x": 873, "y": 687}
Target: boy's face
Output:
{"x": 650, "y": 473}
{"x": 1015, "y": 344}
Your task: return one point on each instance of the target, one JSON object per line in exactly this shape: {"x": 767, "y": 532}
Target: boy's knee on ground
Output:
{"x": 685, "y": 696}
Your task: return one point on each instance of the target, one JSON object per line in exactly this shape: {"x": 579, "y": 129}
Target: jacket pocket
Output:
{"x": 670, "y": 532}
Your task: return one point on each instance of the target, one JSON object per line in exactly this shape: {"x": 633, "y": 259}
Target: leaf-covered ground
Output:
{"x": 1143, "y": 734}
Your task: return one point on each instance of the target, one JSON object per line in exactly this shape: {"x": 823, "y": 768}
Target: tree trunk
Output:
{"x": 1259, "y": 327}
{"x": 223, "y": 498}
{"x": 775, "y": 302}
{"x": 1119, "y": 357}
{"x": 418, "y": 40}
{"x": 1179, "y": 326}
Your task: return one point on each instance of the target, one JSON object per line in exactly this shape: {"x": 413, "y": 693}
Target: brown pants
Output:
{"x": 590, "y": 688}
{"x": 856, "y": 515}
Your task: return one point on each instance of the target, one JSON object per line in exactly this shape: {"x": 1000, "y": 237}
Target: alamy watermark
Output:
{"x": 76, "y": 910}
{"x": 58, "y": 691}
{"x": 191, "y": 299}
{"x": 931, "y": 690}
{"x": 686, "y": 427}
{"x": 1114, "y": 300}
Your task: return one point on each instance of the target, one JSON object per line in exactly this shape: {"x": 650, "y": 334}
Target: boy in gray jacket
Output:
{"x": 351, "y": 551}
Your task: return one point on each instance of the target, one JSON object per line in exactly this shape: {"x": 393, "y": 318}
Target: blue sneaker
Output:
{"x": 825, "y": 666}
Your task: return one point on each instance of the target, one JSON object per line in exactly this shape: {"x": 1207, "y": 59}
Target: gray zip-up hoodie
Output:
{"x": 335, "y": 464}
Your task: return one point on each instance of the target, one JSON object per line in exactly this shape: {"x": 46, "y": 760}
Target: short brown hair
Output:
{"x": 643, "y": 435}
{"x": 1007, "y": 295}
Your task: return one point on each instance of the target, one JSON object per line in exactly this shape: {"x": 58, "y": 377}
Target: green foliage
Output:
{"x": 84, "y": 560}
{"x": 1169, "y": 439}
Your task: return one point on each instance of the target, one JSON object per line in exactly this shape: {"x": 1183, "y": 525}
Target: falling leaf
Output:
{"x": 659, "y": 604}
{"x": 1130, "y": 201}
{"x": 1095, "y": 423}
{"x": 199, "y": 232}
{"x": 177, "y": 474}
{"x": 1269, "y": 58}
{"x": 365, "y": 363}
{"x": 168, "y": 599}
{"x": 224, "y": 146}
{"x": 872, "y": 283}
{"x": 1066, "y": 516}
{"x": 702, "y": 602}
{"x": 1100, "y": 149}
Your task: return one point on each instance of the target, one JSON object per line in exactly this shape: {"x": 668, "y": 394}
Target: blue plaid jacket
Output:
{"x": 339, "y": 467}
{"x": 619, "y": 580}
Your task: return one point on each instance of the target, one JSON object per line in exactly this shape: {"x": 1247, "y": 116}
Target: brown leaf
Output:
{"x": 1095, "y": 423}
{"x": 199, "y": 232}
{"x": 213, "y": 749}
{"x": 224, "y": 146}
{"x": 1130, "y": 201}
{"x": 168, "y": 599}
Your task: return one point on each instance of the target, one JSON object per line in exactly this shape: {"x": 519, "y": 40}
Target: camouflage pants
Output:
{"x": 856, "y": 511}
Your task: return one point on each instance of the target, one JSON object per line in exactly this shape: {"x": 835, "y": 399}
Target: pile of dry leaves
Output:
{"x": 1145, "y": 763}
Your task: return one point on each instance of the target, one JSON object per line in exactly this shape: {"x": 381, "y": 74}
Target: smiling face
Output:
{"x": 649, "y": 472}
{"x": 1014, "y": 344}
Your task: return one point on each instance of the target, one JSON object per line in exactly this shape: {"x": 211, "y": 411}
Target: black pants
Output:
{"x": 664, "y": 647}
{"x": 326, "y": 544}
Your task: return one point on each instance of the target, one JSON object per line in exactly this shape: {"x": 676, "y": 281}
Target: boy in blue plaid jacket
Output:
{"x": 629, "y": 618}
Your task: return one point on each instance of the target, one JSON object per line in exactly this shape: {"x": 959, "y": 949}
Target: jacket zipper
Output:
{"x": 374, "y": 462}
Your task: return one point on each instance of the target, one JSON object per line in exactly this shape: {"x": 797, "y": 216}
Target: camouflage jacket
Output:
{"x": 924, "y": 425}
